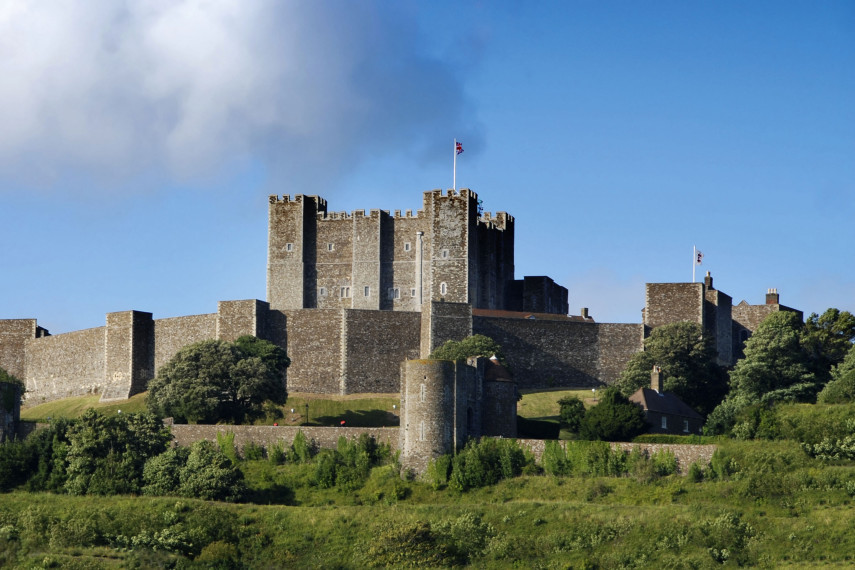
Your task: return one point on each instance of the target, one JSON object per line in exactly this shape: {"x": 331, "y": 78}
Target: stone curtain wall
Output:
{"x": 175, "y": 333}
{"x": 545, "y": 354}
{"x": 315, "y": 349}
{"x": 719, "y": 324}
{"x": 324, "y": 437}
{"x": 69, "y": 364}
{"x": 442, "y": 322}
{"x": 686, "y": 454}
{"x": 617, "y": 343}
{"x": 375, "y": 344}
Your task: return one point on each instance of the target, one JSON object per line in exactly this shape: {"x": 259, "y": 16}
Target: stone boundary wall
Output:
{"x": 376, "y": 342}
{"x": 686, "y": 454}
{"x": 324, "y": 437}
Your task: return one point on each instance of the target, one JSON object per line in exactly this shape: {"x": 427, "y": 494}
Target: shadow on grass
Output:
{"x": 359, "y": 418}
{"x": 274, "y": 494}
{"x": 529, "y": 428}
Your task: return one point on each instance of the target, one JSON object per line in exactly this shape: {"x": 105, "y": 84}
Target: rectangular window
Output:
{"x": 412, "y": 292}
{"x": 445, "y": 254}
{"x": 330, "y": 246}
{"x": 407, "y": 246}
{"x": 322, "y": 292}
{"x": 289, "y": 247}
{"x": 345, "y": 292}
{"x": 395, "y": 293}
{"x": 366, "y": 291}
{"x": 664, "y": 422}
{"x": 443, "y": 289}
{"x": 686, "y": 426}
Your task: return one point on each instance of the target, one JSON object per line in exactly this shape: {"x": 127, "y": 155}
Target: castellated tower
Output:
{"x": 448, "y": 251}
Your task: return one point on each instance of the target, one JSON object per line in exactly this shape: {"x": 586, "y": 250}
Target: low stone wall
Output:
{"x": 325, "y": 437}
{"x": 684, "y": 453}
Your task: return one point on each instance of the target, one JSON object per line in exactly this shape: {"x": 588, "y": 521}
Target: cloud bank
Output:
{"x": 184, "y": 89}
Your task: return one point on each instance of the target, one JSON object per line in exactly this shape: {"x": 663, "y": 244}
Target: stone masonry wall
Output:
{"x": 171, "y": 335}
{"x": 617, "y": 342}
{"x": 14, "y": 334}
{"x": 69, "y": 364}
{"x": 324, "y": 437}
{"x": 314, "y": 345}
{"x": 375, "y": 344}
{"x": 442, "y": 322}
{"x": 685, "y": 454}
{"x": 673, "y": 302}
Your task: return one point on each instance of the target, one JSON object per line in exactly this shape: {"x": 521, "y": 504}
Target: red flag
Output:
{"x": 459, "y": 148}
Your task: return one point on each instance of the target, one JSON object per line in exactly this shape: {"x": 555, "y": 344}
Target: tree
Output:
{"x": 106, "y": 454}
{"x": 475, "y": 345}
{"x": 841, "y": 388}
{"x": 776, "y": 368}
{"x": 614, "y": 418}
{"x": 687, "y": 359}
{"x": 827, "y": 339}
{"x": 215, "y": 380}
{"x": 572, "y": 412}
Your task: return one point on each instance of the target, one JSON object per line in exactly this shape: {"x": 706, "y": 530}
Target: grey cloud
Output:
{"x": 184, "y": 88}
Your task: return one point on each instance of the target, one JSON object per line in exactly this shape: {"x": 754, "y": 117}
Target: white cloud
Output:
{"x": 182, "y": 88}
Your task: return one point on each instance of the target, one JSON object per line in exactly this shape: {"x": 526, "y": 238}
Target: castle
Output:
{"x": 353, "y": 296}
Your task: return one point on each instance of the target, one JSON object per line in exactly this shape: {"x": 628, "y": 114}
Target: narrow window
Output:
{"x": 345, "y": 292}
{"x": 394, "y": 293}
{"x": 407, "y": 246}
{"x": 366, "y": 291}
{"x": 412, "y": 292}
{"x": 686, "y": 426}
{"x": 289, "y": 247}
{"x": 422, "y": 431}
{"x": 322, "y": 292}
{"x": 443, "y": 288}
{"x": 330, "y": 246}
{"x": 422, "y": 393}
{"x": 445, "y": 254}
{"x": 664, "y": 422}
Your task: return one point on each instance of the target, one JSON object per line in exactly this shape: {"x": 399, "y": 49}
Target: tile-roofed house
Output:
{"x": 664, "y": 411}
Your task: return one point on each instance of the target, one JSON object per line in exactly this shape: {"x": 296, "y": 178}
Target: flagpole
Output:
{"x": 694, "y": 261}
{"x": 454, "y": 152}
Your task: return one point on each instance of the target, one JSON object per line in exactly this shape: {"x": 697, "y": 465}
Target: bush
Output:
{"x": 614, "y": 419}
{"x": 438, "y": 471}
{"x": 572, "y": 412}
{"x": 485, "y": 462}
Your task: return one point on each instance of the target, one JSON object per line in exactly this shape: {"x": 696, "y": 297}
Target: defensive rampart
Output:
{"x": 324, "y": 437}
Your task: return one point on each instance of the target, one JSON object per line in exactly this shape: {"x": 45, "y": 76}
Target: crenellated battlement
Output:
{"x": 299, "y": 199}
{"x": 500, "y": 222}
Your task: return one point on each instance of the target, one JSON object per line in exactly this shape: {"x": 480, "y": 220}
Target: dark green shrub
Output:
{"x": 554, "y": 459}
{"x": 438, "y": 471}
{"x": 253, "y": 451}
{"x": 572, "y": 412}
{"x": 485, "y": 462}
{"x": 301, "y": 450}
{"x": 614, "y": 419}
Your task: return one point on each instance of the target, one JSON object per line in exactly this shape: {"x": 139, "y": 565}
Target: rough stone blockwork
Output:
{"x": 69, "y": 364}
{"x": 323, "y": 437}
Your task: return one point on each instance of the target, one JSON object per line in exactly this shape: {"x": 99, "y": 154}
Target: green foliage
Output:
{"x": 827, "y": 339}
{"x": 687, "y": 358}
{"x": 614, "y": 418}
{"x": 438, "y": 471}
{"x": 215, "y": 380}
{"x": 776, "y": 368}
{"x": 841, "y": 388}
{"x": 226, "y": 443}
{"x": 475, "y": 345}
{"x": 411, "y": 545}
{"x": 252, "y": 451}
{"x": 485, "y": 462}
{"x": 106, "y": 454}
{"x": 162, "y": 473}
{"x": 209, "y": 474}
{"x": 572, "y": 412}
{"x": 301, "y": 450}
{"x": 17, "y": 460}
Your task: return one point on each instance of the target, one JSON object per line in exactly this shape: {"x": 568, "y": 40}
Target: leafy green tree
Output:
{"x": 213, "y": 380}
{"x": 841, "y": 389}
{"x": 776, "y": 368}
{"x": 572, "y": 412}
{"x": 827, "y": 338}
{"x": 209, "y": 474}
{"x": 688, "y": 361}
{"x": 614, "y": 418}
{"x": 106, "y": 454}
{"x": 475, "y": 345}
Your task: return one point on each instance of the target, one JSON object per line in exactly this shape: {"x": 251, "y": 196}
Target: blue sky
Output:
{"x": 140, "y": 141}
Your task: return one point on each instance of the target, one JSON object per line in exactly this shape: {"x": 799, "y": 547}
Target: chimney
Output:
{"x": 708, "y": 281}
{"x": 584, "y": 312}
{"x": 772, "y": 297}
{"x": 656, "y": 379}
